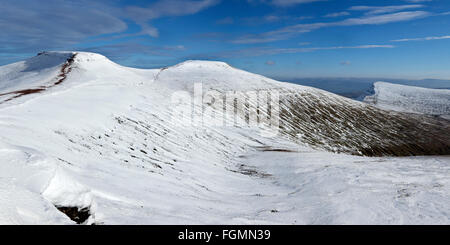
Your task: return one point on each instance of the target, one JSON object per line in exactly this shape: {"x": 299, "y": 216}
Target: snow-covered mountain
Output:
{"x": 91, "y": 138}
{"x": 410, "y": 99}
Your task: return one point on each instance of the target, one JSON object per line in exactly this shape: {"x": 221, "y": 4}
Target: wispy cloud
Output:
{"x": 270, "y": 62}
{"x": 164, "y": 8}
{"x": 372, "y": 10}
{"x": 443, "y": 13}
{"x": 30, "y": 26}
{"x": 289, "y": 31}
{"x": 384, "y": 19}
{"x": 422, "y": 39}
{"x": 338, "y": 14}
{"x": 284, "y": 3}
{"x": 417, "y": 1}
{"x": 271, "y": 18}
{"x": 259, "y": 51}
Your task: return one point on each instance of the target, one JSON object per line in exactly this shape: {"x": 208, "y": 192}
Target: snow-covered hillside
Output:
{"x": 79, "y": 131}
{"x": 410, "y": 99}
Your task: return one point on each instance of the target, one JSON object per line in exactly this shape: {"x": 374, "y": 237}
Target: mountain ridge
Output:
{"x": 105, "y": 142}
{"x": 308, "y": 115}
{"x": 435, "y": 102}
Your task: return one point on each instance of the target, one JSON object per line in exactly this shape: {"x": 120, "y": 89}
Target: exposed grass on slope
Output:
{"x": 329, "y": 122}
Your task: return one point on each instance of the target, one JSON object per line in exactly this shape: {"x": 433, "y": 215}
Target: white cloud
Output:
{"x": 444, "y": 13}
{"x": 29, "y": 26}
{"x": 289, "y": 31}
{"x": 421, "y": 39}
{"x": 338, "y": 14}
{"x": 271, "y": 18}
{"x": 417, "y": 1}
{"x": 272, "y": 51}
{"x": 163, "y": 8}
{"x": 384, "y": 19}
{"x": 284, "y": 3}
{"x": 372, "y": 10}
{"x": 270, "y": 62}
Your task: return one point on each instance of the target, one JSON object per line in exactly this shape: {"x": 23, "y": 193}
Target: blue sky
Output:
{"x": 280, "y": 38}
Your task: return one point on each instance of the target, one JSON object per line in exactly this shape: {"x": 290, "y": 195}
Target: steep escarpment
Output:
{"x": 318, "y": 118}
{"x": 333, "y": 123}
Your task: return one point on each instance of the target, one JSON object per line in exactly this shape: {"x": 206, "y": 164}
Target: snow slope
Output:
{"x": 103, "y": 138}
{"x": 410, "y": 99}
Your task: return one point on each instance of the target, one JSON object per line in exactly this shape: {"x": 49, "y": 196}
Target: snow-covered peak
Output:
{"x": 62, "y": 55}
{"x": 42, "y": 61}
{"x": 88, "y": 57}
{"x": 46, "y": 60}
{"x": 33, "y": 73}
{"x": 49, "y": 59}
{"x": 202, "y": 64}
{"x": 212, "y": 75}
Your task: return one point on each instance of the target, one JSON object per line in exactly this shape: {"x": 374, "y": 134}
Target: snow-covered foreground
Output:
{"x": 411, "y": 99}
{"x": 325, "y": 188}
{"x": 298, "y": 187}
{"x": 103, "y": 138}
